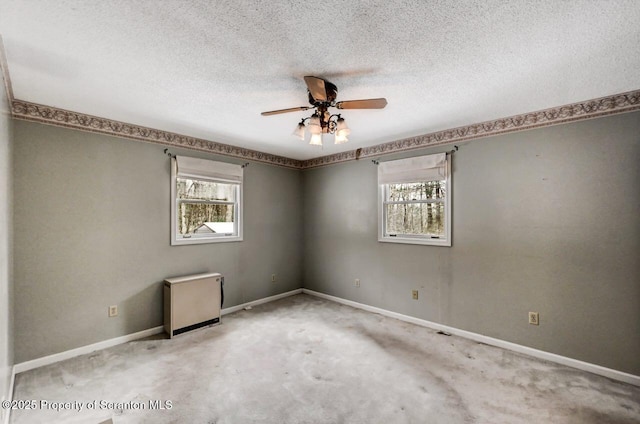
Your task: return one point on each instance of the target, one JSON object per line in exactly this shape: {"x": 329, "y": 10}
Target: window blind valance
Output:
{"x": 204, "y": 169}
{"x": 411, "y": 170}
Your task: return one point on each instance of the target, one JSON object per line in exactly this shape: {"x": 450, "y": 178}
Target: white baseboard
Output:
{"x": 57, "y": 357}
{"x": 236, "y": 308}
{"x": 585, "y": 366}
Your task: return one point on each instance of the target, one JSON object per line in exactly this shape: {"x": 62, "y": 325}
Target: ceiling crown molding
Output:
{"x": 619, "y": 103}
{"x": 64, "y": 118}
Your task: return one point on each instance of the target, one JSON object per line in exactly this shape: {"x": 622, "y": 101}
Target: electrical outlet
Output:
{"x": 534, "y": 318}
{"x": 357, "y": 282}
{"x": 113, "y": 311}
{"x": 273, "y": 278}
{"x": 414, "y": 294}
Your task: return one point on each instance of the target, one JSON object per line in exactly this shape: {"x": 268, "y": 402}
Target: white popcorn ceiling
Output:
{"x": 208, "y": 68}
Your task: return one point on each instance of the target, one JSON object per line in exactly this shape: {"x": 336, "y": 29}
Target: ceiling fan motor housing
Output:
{"x": 331, "y": 93}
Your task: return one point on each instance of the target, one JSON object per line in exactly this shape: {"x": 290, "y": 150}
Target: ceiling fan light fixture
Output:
{"x": 299, "y": 131}
{"x": 316, "y": 139}
{"x": 342, "y": 129}
{"x": 314, "y": 124}
{"x": 340, "y": 139}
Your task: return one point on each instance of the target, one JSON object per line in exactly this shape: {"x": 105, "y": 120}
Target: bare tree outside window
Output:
{"x": 201, "y": 202}
{"x": 416, "y": 208}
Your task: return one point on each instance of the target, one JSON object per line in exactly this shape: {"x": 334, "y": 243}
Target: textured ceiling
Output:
{"x": 208, "y": 68}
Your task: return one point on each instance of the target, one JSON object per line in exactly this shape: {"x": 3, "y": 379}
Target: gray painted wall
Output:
{"x": 6, "y": 331}
{"x": 544, "y": 220}
{"x": 92, "y": 230}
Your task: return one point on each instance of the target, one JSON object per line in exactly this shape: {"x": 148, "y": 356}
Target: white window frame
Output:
{"x": 425, "y": 239}
{"x": 178, "y": 239}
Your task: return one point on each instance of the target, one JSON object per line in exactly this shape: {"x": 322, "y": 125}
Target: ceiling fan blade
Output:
{"x": 316, "y": 88}
{"x": 293, "y": 109}
{"x": 363, "y": 104}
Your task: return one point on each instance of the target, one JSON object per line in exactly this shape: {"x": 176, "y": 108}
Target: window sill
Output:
{"x": 416, "y": 240}
{"x": 181, "y": 242}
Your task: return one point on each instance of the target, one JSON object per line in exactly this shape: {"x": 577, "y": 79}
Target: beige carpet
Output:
{"x": 307, "y": 360}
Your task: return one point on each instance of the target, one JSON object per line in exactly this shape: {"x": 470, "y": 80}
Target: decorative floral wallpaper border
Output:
{"x": 619, "y": 103}
{"x": 64, "y": 118}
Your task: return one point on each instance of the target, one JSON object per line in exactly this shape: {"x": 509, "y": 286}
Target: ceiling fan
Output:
{"x": 322, "y": 96}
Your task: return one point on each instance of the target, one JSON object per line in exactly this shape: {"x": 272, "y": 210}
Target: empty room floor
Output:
{"x": 308, "y": 360}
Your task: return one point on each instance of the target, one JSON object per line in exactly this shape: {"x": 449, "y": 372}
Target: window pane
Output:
{"x": 198, "y": 218}
{"x": 205, "y": 190}
{"x": 417, "y": 218}
{"x": 416, "y": 191}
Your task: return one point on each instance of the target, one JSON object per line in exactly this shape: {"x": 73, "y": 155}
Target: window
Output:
{"x": 415, "y": 200}
{"x": 206, "y": 201}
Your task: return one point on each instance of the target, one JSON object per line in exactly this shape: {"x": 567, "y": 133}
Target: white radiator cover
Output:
{"x": 191, "y": 302}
